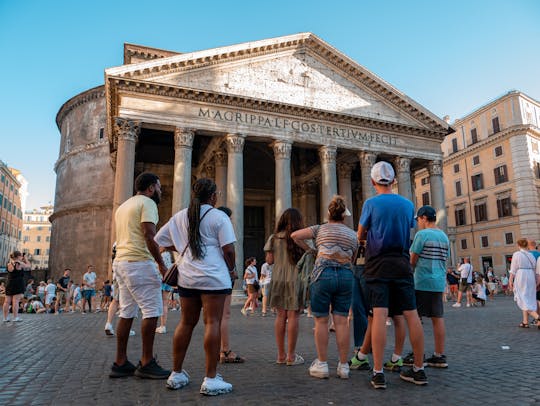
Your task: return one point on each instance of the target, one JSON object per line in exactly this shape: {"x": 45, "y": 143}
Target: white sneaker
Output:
{"x": 17, "y": 319}
{"x": 468, "y": 305}
{"x": 457, "y": 304}
{"x": 243, "y": 311}
{"x": 177, "y": 380}
{"x": 109, "y": 329}
{"x": 161, "y": 330}
{"x": 319, "y": 369}
{"x": 215, "y": 386}
{"x": 343, "y": 370}
{"x": 131, "y": 333}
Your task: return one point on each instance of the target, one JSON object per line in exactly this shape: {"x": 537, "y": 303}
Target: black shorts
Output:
{"x": 185, "y": 292}
{"x": 396, "y": 295}
{"x": 430, "y": 304}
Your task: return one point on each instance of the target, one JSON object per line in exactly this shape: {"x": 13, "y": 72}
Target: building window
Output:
{"x": 38, "y": 238}
{"x": 40, "y": 228}
{"x": 454, "y": 145}
{"x": 480, "y": 212}
{"x": 26, "y": 238}
{"x": 425, "y": 198}
{"x": 504, "y": 207}
{"x": 101, "y": 132}
{"x": 534, "y": 147}
{"x": 501, "y": 174}
{"x": 498, "y": 151}
{"x": 456, "y": 168}
{"x": 464, "y": 244}
{"x": 496, "y": 126}
{"x": 458, "y": 188}
{"x": 484, "y": 241}
{"x": 425, "y": 181}
{"x": 47, "y": 239}
{"x": 476, "y": 160}
{"x": 477, "y": 182}
{"x": 1, "y": 199}
{"x": 509, "y": 238}
{"x": 460, "y": 217}
{"x": 474, "y": 136}
{"x": 537, "y": 170}
{"x": 37, "y": 251}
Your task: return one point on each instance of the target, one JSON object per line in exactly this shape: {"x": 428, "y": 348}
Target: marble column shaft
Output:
{"x": 327, "y": 155}
{"x": 183, "y": 142}
{"x": 235, "y": 193}
{"x": 345, "y": 190}
{"x": 367, "y": 160}
{"x": 220, "y": 164}
{"x": 282, "y": 155}
{"x": 436, "y": 187}
{"x": 128, "y": 133}
{"x": 403, "y": 175}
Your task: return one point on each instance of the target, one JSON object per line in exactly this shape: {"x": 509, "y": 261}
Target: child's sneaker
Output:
{"x": 343, "y": 370}
{"x": 409, "y": 360}
{"x": 177, "y": 380}
{"x": 437, "y": 361}
{"x": 161, "y": 330}
{"x": 378, "y": 381}
{"x": 215, "y": 386}
{"x": 418, "y": 378}
{"x": 393, "y": 366}
{"x": 319, "y": 369}
{"x": 109, "y": 329}
{"x": 359, "y": 364}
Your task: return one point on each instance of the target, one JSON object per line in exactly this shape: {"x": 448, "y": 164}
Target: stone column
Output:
{"x": 235, "y": 193}
{"x": 327, "y": 155}
{"x": 307, "y": 202}
{"x": 183, "y": 142}
{"x": 282, "y": 155}
{"x": 403, "y": 175}
{"x": 436, "y": 187}
{"x": 367, "y": 160}
{"x": 344, "y": 176}
{"x": 127, "y": 132}
{"x": 220, "y": 164}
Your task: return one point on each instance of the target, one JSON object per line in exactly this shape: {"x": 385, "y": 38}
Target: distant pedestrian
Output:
{"x": 166, "y": 290}
{"x": 89, "y": 288}
{"x": 252, "y": 283}
{"x": 62, "y": 291}
{"x": 465, "y": 284}
{"x": 14, "y": 286}
{"x": 479, "y": 291}
{"x": 266, "y": 278}
{"x": 50, "y": 296}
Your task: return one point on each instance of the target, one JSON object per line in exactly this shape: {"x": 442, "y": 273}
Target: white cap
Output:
{"x": 382, "y": 173}
{"x": 347, "y": 212}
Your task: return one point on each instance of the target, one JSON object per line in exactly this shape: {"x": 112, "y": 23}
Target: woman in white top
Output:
{"x": 266, "y": 278}
{"x": 250, "y": 276}
{"x": 204, "y": 239}
{"x": 523, "y": 281}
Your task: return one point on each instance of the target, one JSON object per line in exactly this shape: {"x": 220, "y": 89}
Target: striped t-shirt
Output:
{"x": 431, "y": 245}
{"x": 336, "y": 244}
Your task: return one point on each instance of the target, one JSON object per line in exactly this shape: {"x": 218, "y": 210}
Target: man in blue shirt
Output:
{"x": 429, "y": 252}
{"x": 386, "y": 221}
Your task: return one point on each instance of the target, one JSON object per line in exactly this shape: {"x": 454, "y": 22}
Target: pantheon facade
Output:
{"x": 278, "y": 123}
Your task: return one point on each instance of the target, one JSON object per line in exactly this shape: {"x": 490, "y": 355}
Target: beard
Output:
{"x": 156, "y": 197}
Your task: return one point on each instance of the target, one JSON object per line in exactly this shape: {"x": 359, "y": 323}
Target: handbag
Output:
{"x": 256, "y": 285}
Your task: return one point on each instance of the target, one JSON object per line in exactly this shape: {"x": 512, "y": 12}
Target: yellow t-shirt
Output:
{"x": 130, "y": 243}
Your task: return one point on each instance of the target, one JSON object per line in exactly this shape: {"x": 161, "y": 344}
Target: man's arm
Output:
{"x": 414, "y": 259}
{"x": 149, "y": 232}
{"x": 361, "y": 234}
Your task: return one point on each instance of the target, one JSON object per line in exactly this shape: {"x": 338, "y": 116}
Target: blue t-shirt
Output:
{"x": 535, "y": 253}
{"x": 431, "y": 245}
{"x": 388, "y": 219}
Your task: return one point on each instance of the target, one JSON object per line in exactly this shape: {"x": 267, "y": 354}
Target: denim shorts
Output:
{"x": 333, "y": 288}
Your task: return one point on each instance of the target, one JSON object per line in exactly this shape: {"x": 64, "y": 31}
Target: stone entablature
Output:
{"x": 137, "y": 53}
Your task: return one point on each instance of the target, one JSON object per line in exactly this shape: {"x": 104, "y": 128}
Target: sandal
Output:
{"x": 226, "y": 358}
{"x": 524, "y": 325}
{"x": 281, "y": 361}
{"x": 298, "y": 360}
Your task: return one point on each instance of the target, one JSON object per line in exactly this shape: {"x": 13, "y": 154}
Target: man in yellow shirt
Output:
{"x": 138, "y": 276}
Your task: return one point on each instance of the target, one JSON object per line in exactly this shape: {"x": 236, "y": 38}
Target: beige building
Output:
{"x": 491, "y": 177}
{"x": 282, "y": 122}
{"x": 12, "y": 184}
{"x": 36, "y": 236}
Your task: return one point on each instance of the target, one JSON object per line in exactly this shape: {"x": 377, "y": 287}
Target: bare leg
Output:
{"x": 343, "y": 337}
{"x": 366, "y": 344}
{"x": 112, "y": 310}
{"x": 225, "y": 324}
{"x": 439, "y": 333}
{"x": 321, "y": 338}
{"x": 399, "y": 334}
{"x": 459, "y": 296}
{"x": 279, "y": 331}
{"x": 212, "y": 313}
{"x": 416, "y": 336}
{"x": 148, "y": 332}
{"x": 122, "y": 336}
{"x": 292, "y": 333}
{"x": 5, "y": 308}
{"x": 163, "y": 321}
{"x": 191, "y": 311}
{"x": 378, "y": 336}
{"x": 15, "y": 305}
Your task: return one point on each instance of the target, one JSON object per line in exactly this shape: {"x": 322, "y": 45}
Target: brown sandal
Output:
{"x": 226, "y": 358}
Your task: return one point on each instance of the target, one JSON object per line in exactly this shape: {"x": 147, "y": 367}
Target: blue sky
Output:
{"x": 450, "y": 56}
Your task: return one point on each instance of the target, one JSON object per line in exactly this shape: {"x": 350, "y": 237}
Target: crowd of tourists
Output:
{"x": 341, "y": 277}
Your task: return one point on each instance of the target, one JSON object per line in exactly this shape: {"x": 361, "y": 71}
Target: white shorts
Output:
{"x": 139, "y": 286}
{"x": 49, "y": 299}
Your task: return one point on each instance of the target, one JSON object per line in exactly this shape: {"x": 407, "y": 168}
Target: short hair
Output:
{"x": 145, "y": 180}
{"x": 522, "y": 243}
{"x": 249, "y": 261}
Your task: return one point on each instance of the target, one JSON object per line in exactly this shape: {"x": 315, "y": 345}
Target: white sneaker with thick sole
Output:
{"x": 457, "y": 304}
{"x": 161, "y": 330}
{"x": 17, "y": 319}
{"x": 319, "y": 369}
{"x": 177, "y": 380}
{"x": 215, "y": 386}
{"x": 343, "y": 370}
{"x": 109, "y": 329}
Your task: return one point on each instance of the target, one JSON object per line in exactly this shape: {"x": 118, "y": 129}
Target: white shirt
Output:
{"x": 90, "y": 279}
{"x": 266, "y": 273}
{"x": 209, "y": 272}
{"x": 466, "y": 271}
{"x": 51, "y": 290}
{"x": 36, "y": 305}
{"x": 522, "y": 259}
{"x": 252, "y": 275}
{"x": 480, "y": 290}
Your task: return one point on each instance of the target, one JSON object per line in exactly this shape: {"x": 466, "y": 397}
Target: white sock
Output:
{"x": 360, "y": 355}
{"x": 415, "y": 369}
{"x": 395, "y": 357}
{"x": 377, "y": 372}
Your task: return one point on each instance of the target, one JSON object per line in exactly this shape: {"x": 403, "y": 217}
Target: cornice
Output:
{"x": 144, "y": 52}
{"x": 78, "y": 209}
{"x": 78, "y": 100}
{"x": 492, "y": 139}
{"x": 78, "y": 150}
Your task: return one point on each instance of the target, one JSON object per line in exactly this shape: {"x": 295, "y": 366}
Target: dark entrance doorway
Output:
{"x": 254, "y": 234}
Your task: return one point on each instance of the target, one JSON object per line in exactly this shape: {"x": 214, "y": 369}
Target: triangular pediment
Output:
{"x": 299, "y": 70}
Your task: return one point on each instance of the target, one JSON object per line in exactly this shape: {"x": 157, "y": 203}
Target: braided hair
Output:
{"x": 202, "y": 191}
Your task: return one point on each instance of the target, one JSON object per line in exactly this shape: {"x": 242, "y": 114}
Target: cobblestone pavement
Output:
{"x": 65, "y": 359}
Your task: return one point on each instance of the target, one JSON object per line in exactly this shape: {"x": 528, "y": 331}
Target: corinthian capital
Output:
{"x": 183, "y": 137}
{"x": 282, "y": 149}
{"x": 327, "y": 154}
{"x": 367, "y": 159}
{"x": 344, "y": 170}
{"x": 220, "y": 158}
{"x": 127, "y": 130}
{"x": 402, "y": 164}
{"x": 235, "y": 143}
{"x": 435, "y": 168}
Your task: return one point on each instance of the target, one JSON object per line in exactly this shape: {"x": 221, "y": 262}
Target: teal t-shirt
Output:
{"x": 432, "y": 246}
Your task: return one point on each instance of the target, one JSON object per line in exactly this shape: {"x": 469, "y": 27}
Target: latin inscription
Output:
{"x": 297, "y": 125}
